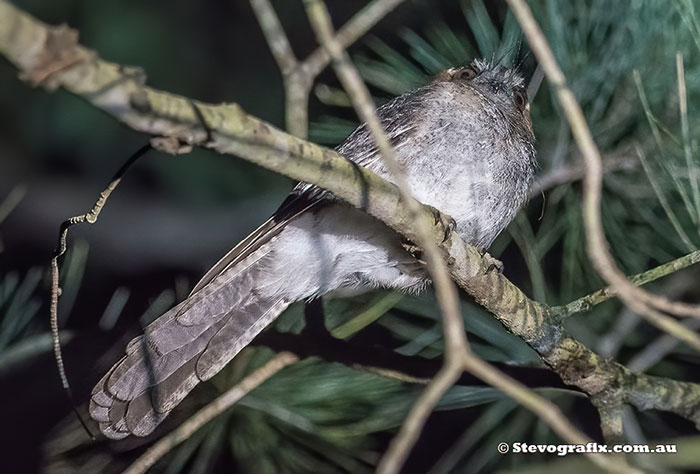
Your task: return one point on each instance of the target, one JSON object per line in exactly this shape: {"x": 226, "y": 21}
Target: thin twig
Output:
{"x": 447, "y": 297}
{"x": 585, "y": 303}
{"x": 642, "y": 302}
{"x": 545, "y": 410}
{"x": 385, "y": 361}
{"x": 356, "y": 27}
{"x": 393, "y": 374}
{"x": 297, "y": 84}
{"x": 575, "y": 171}
{"x": 274, "y": 34}
{"x": 455, "y": 335}
{"x": 58, "y": 355}
{"x": 458, "y": 356}
{"x": 540, "y": 406}
{"x": 298, "y": 77}
{"x": 659, "y": 348}
{"x": 210, "y": 411}
{"x": 89, "y": 217}
{"x": 395, "y": 457}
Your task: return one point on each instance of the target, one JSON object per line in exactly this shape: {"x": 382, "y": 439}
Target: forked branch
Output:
{"x": 298, "y": 76}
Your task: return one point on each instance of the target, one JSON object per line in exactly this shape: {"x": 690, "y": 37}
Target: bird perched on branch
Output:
{"x": 466, "y": 144}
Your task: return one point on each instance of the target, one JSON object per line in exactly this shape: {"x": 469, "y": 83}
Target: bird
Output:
{"x": 466, "y": 144}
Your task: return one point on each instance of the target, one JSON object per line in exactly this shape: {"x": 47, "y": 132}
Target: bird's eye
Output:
{"x": 520, "y": 98}
{"x": 465, "y": 73}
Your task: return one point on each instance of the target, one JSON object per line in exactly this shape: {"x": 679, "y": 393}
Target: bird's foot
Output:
{"x": 494, "y": 263}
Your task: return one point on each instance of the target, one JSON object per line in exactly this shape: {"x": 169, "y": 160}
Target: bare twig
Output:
{"x": 395, "y": 457}
{"x": 354, "y": 29}
{"x": 90, "y": 217}
{"x": 297, "y": 84}
{"x": 575, "y": 171}
{"x": 659, "y": 348}
{"x": 383, "y": 361}
{"x": 547, "y": 411}
{"x": 642, "y": 302}
{"x": 298, "y": 77}
{"x": 585, "y": 303}
{"x": 448, "y": 300}
{"x": 611, "y": 423}
{"x": 274, "y": 34}
{"x": 364, "y": 105}
{"x": 458, "y": 356}
{"x": 393, "y": 374}
{"x": 210, "y": 411}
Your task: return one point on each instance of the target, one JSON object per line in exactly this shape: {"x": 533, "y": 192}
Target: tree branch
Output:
{"x": 585, "y": 303}
{"x": 575, "y": 171}
{"x": 274, "y": 34}
{"x": 298, "y": 77}
{"x": 611, "y": 424}
{"x": 354, "y": 29}
{"x": 447, "y": 297}
{"x": 458, "y": 355}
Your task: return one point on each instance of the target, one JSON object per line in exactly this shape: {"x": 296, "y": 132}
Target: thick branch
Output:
{"x": 40, "y": 53}
{"x": 52, "y": 57}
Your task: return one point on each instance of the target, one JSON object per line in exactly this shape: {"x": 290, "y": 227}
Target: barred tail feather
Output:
{"x": 188, "y": 344}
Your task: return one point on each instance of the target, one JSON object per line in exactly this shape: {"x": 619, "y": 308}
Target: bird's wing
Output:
{"x": 298, "y": 202}
{"x": 398, "y": 121}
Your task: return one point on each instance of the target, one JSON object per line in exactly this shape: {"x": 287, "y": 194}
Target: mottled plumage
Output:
{"x": 466, "y": 143}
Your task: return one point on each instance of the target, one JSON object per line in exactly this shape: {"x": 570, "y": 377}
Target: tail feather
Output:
{"x": 141, "y": 418}
{"x": 188, "y": 344}
{"x": 147, "y": 410}
{"x": 114, "y": 431}
{"x": 144, "y": 367}
{"x": 237, "y": 333}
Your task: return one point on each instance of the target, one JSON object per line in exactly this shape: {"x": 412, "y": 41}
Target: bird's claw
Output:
{"x": 415, "y": 251}
{"x": 446, "y": 221}
{"x": 493, "y": 263}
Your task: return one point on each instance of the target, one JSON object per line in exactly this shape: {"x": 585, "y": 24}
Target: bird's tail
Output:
{"x": 188, "y": 344}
